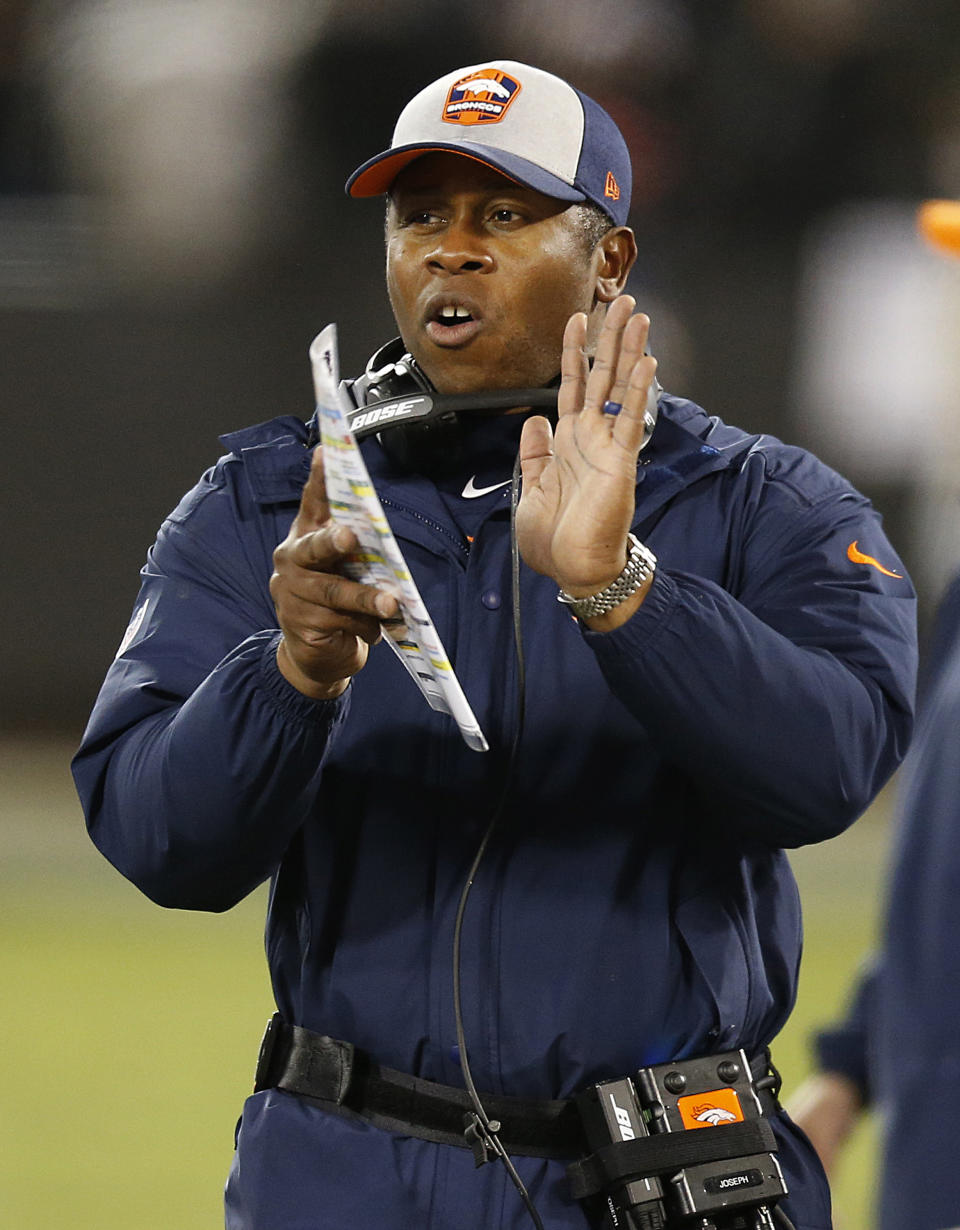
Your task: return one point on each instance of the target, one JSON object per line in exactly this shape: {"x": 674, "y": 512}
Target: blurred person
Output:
{"x": 898, "y": 1049}
{"x": 894, "y": 433}
{"x": 728, "y": 672}
{"x": 175, "y": 117}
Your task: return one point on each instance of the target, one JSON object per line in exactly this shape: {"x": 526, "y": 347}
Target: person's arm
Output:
{"x": 788, "y": 704}
{"x": 829, "y": 1104}
{"x": 827, "y": 1107}
{"x": 203, "y": 755}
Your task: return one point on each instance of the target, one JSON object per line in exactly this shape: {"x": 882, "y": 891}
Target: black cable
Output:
{"x": 488, "y": 1128}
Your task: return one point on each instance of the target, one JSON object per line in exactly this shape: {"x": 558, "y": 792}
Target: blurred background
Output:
{"x": 173, "y": 233}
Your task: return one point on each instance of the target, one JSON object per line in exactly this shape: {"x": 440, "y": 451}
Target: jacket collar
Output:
{"x": 275, "y": 460}
{"x": 686, "y": 445}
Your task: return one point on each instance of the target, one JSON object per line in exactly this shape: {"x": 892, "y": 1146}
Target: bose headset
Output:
{"x": 395, "y": 393}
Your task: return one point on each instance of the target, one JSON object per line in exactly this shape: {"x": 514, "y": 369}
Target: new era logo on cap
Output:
{"x": 528, "y": 124}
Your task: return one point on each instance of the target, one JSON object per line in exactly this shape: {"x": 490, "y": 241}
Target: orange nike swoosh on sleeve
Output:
{"x": 858, "y": 557}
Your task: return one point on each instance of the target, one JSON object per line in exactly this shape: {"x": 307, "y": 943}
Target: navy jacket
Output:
{"x": 635, "y": 903}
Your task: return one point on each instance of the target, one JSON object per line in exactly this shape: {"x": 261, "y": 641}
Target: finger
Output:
{"x": 340, "y": 593}
{"x": 336, "y": 592}
{"x": 629, "y": 425}
{"x": 632, "y": 345}
{"x": 323, "y": 550}
{"x": 603, "y": 373}
{"x": 314, "y": 509}
{"x": 574, "y": 367}
{"x": 316, "y": 625}
{"x": 536, "y": 449}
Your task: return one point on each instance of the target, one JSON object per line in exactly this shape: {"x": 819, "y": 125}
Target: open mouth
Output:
{"x": 452, "y": 324}
{"x": 452, "y": 315}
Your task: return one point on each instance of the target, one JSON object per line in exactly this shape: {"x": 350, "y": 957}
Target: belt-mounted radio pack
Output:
{"x": 652, "y": 1166}
{"x": 685, "y": 1145}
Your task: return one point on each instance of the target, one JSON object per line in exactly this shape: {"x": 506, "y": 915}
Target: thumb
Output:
{"x": 536, "y": 449}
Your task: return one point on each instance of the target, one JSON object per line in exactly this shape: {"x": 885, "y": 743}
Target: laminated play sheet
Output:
{"x": 379, "y": 560}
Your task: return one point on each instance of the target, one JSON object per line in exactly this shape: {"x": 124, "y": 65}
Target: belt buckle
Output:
{"x": 268, "y": 1045}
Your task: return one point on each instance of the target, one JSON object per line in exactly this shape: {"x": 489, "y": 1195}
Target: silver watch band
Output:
{"x": 641, "y": 563}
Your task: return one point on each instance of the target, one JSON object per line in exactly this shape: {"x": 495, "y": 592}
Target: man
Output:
{"x": 897, "y": 1050}
{"x": 736, "y": 678}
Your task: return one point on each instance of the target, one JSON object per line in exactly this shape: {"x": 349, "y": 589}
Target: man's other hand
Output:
{"x": 328, "y": 621}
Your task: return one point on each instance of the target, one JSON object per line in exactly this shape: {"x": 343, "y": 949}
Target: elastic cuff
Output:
{"x": 650, "y": 616}
{"x": 289, "y": 701}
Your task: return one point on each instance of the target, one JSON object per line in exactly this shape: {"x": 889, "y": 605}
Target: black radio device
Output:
{"x": 680, "y": 1144}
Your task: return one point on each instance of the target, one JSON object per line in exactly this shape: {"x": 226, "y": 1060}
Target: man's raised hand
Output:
{"x": 579, "y": 482}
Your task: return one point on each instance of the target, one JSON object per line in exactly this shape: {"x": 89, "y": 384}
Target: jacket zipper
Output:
{"x": 461, "y": 546}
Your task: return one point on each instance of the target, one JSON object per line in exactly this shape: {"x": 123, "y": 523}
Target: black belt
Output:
{"x": 340, "y": 1078}
{"x": 344, "y": 1080}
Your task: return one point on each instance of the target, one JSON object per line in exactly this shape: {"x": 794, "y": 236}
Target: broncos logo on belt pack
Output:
{"x": 711, "y": 1108}
{"x": 714, "y": 1115}
{"x": 481, "y": 98}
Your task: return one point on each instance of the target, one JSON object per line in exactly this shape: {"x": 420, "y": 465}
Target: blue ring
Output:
{"x": 612, "y": 408}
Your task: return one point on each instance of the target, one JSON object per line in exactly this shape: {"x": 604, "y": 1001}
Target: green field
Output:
{"x": 130, "y": 1032}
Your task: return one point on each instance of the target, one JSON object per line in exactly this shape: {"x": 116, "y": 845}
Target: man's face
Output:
{"x": 483, "y": 274}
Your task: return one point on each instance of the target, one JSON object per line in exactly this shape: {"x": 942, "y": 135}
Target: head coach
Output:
{"x": 728, "y": 673}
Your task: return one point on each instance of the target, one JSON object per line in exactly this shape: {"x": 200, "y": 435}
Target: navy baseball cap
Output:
{"x": 527, "y": 124}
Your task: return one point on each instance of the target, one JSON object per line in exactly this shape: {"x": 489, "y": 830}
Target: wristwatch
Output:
{"x": 641, "y": 563}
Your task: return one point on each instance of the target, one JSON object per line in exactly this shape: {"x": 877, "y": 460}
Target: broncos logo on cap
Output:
{"x": 480, "y": 98}
{"x": 485, "y": 85}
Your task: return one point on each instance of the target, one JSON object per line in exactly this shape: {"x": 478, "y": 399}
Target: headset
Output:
{"x": 420, "y": 428}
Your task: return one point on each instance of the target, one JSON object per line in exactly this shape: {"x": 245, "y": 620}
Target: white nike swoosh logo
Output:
{"x": 470, "y": 492}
